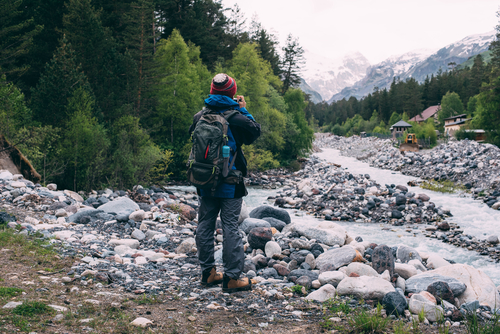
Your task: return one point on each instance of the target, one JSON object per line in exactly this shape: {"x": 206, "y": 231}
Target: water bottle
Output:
{"x": 225, "y": 154}
{"x": 225, "y": 151}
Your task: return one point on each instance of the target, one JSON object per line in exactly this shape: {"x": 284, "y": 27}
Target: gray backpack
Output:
{"x": 207, "y": 168}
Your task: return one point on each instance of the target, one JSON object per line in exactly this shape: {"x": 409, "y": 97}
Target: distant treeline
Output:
{"x": 101, "y": 92}
{"x": 476, "y": 89}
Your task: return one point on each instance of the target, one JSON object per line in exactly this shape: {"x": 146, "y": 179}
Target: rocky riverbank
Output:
{"x": 141, "y": 242}
{"x": 475, "y": 166}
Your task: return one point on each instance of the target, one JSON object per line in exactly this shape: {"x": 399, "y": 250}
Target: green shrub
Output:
{"x": 259, "y": 159}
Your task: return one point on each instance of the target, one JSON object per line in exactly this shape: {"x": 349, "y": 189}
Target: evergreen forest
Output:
{"x": 102, "y": 92}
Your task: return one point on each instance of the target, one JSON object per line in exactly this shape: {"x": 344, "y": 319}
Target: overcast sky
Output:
{"x": 376, "y": 28}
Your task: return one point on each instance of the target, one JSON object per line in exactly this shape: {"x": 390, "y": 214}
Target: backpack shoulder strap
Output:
{"x": 229, "y": 113}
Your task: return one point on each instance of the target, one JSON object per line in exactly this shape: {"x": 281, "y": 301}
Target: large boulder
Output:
{"x": 269, "y": 211}
{"x": 394, "y": 303}
{"x": 360, "y": 269}
{"x": 405, "y": 254}
{"x": 335, "y": 258}
{"x": 405, "y": 270}
{"x": 479, "y": 286}
{"x": 365, "y": 287}
{"x": 420, "y": 282}
{"x": 84, "y": 216}
{"x": 435, "y": 261}
{"x": 322, "y": 294}
{"x": 382, "y": 259}
{"x": 276, "y": 223}
{"x": 325, "y": 232}
{"x": 419, "y": 303}
{"x": 250, "y": 223}
{"x": 331, "y": 277}
{"x": 121, "y": 204}
{"x": 259, "y": 237}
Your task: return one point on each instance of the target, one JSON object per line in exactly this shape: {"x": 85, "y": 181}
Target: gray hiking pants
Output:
{"x": 233, "y": 255}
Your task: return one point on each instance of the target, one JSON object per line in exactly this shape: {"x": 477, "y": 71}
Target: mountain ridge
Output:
{"x": 417, "y": 66}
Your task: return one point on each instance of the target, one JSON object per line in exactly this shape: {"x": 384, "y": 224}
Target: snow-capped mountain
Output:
{"x": 416, "y": 64}
{"x": 381, "y": 75}
{"x": 329, "y": 76}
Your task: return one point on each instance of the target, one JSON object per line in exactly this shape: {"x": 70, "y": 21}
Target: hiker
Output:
{"x": 220, "y": 182}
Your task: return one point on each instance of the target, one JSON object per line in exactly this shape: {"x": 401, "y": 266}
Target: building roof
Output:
{"x": 429, "y": 112}
{"x": 476, "y": 131}
{"x": 458, "y": 122}
{"x": 402, "y": 124}
{"x": 454, "y": 117}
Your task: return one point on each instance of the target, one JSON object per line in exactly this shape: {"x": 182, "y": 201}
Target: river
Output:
{"x": 474, "y": 217}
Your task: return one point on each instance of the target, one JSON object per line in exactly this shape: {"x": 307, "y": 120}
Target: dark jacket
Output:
{"x": 243, "y": 129}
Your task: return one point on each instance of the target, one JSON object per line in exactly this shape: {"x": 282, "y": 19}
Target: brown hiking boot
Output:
{"x": 230, "y": 285}
{"x": 211, "y": 277}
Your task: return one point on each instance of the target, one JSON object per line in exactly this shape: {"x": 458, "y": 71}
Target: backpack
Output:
{"x": 207, "y": 168}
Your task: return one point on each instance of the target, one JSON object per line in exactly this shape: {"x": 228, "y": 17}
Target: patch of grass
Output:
{"x": 32, "y": 308}
{"x": 399, "y": 327}
{"x": 31, "y": 250}
{"x": 365, "y": 322}
{"x": 147, "y": 300}
{"x": 336, "y": 306}
{"x": 475, "y": 326}
{"x": 9, "y": 292}
{"x": 445, "y": 186}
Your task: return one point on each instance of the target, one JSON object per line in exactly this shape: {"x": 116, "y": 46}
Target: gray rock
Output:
{"x": 269, "y": 211}
{"x": 333, "y": 259}
{"x": 492, "y": 239}
{"x": 294, "y": 274}
{"x": 305, "y": 281}
{"x": 382, "y": 259}
{"x": 90, "y": 213}
{"x": 406, "y": 254}
{"x": 251, "y": 223}
{"x": 119, "y": 205}
{"x": 276, "y": 223}
{"x": 269, "y": 273}
{"x": 138, "y": 234}
{"x": 420, "y": 282}
{"x": 394, "y": 303}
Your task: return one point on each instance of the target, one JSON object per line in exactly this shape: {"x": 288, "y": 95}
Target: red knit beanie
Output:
{"x": 223, "y": 84}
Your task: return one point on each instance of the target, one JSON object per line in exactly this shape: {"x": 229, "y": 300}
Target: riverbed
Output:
{"x": 474, "y": 217}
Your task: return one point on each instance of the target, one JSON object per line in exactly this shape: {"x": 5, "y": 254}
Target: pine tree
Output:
{"x": 47, "y": 14}
{"x": 111, "y": 74}
{"x": 291, "y": 63}
{"x": 16, "y": 37}
{"x": 139, "y": 39}
{"x": 62, "y": 76}
{"x": 495, "y": 48}
{"x": 200, "y": 21}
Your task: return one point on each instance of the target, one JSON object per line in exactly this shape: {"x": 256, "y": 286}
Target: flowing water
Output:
{"x": 474, "y": 217}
